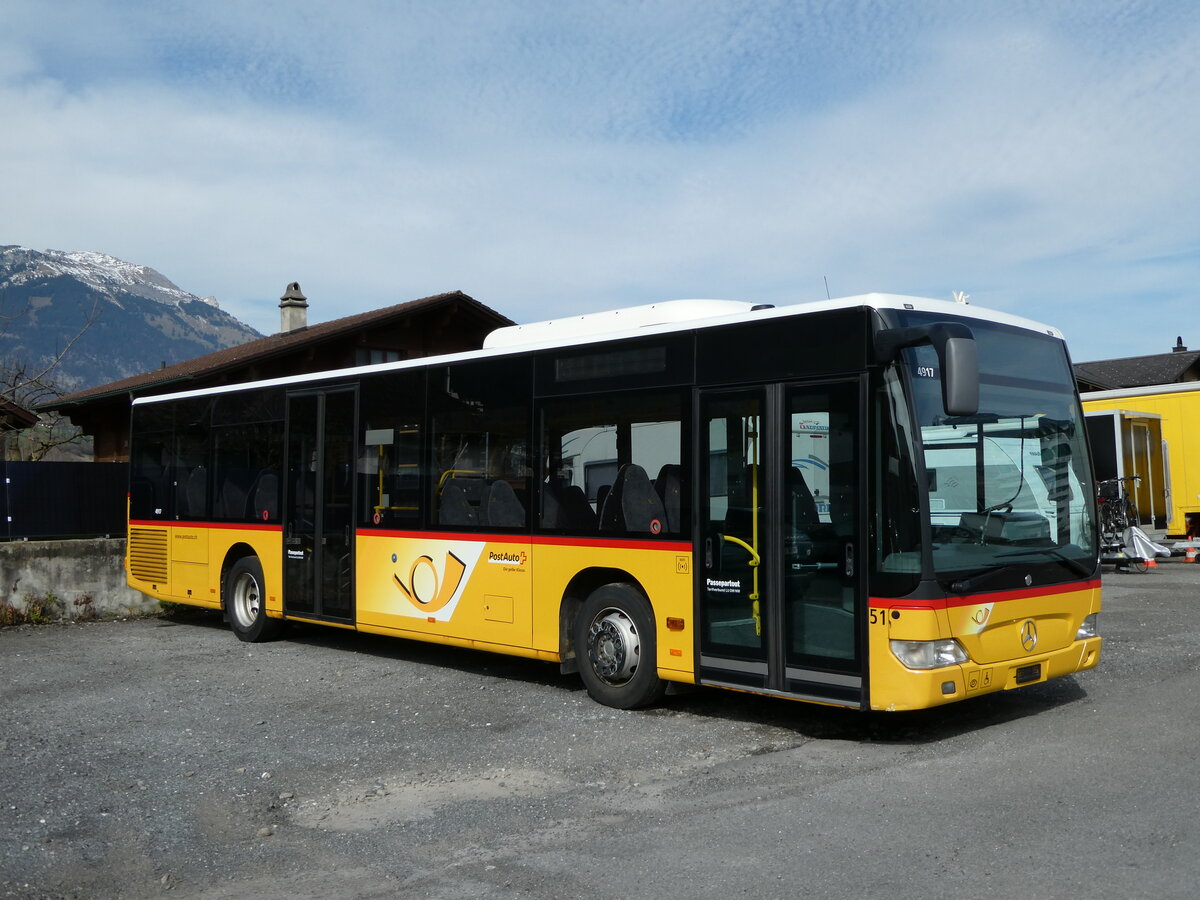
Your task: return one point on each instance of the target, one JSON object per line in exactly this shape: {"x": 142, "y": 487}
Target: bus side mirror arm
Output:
{"x": 957, "y": 355}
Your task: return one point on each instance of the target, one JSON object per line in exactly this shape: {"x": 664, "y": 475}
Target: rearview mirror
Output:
{"x": 958, "y": 359}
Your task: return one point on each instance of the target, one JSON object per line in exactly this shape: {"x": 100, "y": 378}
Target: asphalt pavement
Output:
{"x": 161, "y": 756}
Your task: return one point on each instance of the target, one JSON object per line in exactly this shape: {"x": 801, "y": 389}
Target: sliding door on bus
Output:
{"x": 781, "y": 594}
{"x": 318, "y": 519}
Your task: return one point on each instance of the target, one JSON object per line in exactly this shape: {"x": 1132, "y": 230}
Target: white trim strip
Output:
{"x": 1148, "y": 390}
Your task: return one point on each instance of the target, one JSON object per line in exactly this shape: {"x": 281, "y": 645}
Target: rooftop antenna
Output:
{"x": 961, "y": 297}
{"x": 826, "y": 277}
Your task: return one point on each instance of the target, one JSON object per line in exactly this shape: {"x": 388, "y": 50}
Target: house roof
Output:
{"x": 1136, "y": 371}
{"x": 15, "y": 417}
{"x": 243, "y": 355}
{"x": 1087, "y": 382}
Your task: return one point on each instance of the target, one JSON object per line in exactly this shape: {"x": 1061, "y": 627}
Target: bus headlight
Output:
{"x": 1089, "y": 628}
{"x": 929, "y": 654}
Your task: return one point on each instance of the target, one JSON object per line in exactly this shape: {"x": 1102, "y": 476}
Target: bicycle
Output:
{"x": 1117, "y": 514}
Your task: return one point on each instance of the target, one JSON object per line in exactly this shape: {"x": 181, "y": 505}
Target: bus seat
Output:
{"x": 577, "y": 511}
{"x": 739, "y": 516}
{"x": 195, "y": 492}
{"x": 668, "y": 486}
{"x": 601, "y": 496}
{"x": 454, "y": 508}
{"x": 552, "y": 514}
{"x": 632, "y": 504}
{"x": 231, "y": 501}
{"x": 803, "y": 508}
{"x": 474, "y": 488}
{"x": 566, "y": 508}
{"x": 504, "y": 510}
{"x": 264, "y": 496}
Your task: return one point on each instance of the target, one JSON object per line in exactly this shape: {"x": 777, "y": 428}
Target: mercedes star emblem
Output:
{"x": 1029, "y": 635}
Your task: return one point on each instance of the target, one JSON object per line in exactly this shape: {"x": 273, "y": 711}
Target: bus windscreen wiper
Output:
{"x": 1070, "y": 562}
{"x": 968, "y": 585}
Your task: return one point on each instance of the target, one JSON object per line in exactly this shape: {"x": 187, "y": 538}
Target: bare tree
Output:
{"x": 29, "y": 385}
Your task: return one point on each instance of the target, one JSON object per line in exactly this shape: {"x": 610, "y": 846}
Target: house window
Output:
{"x": 367, "y": 356}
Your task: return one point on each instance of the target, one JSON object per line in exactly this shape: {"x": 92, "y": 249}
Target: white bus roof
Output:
{"x": 637, "y": 321}
{"x": 670, "y": 312}
{"x": 703, "y": 313}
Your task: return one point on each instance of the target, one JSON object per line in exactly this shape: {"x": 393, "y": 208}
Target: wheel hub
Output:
{"x": 613, "y": 646}
{"x": 246, "y": 599}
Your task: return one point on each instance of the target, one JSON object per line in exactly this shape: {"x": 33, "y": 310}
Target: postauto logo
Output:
{"x": 427, "y": 588}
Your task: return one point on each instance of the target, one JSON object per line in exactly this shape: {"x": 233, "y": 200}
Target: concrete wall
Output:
{"x": 87, "y": 577}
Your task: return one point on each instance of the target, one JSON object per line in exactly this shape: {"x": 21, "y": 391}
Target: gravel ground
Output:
{"x": 161, "y": 756}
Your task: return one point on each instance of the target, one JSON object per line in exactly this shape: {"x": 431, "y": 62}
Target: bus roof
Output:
{"x": 671, "y": 312}
{"x": 674, "y": 314}
{"x": 636, "y": 321}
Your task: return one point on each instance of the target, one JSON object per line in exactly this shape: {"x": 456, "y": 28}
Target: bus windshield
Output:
{"x": 1009, "y": 487}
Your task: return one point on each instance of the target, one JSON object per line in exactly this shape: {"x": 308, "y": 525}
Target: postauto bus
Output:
{"x": 879, "y": 502}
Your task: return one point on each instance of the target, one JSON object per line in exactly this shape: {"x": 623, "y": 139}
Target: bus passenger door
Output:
{"x": 318, "y": 529}
{"x": 781, "y": 592}
{"x": 734, "y": 592}
{"x": 824, "y": 573}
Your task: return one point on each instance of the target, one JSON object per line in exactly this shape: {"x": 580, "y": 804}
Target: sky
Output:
{"x": 554, "y": 157}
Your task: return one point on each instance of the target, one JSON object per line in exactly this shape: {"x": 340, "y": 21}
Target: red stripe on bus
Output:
{"x": 238, "y": 526}
{"x": 475, "y": 537}
{"x": 620, "y": 544}
{"x": 976, "y": 599}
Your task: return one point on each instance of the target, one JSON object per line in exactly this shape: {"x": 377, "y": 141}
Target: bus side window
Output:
{"x": 600, "y": 451}
{"x": 479, "y": 434}
{"x": 148, "y": 477}
{"x": 189, "y": 457}
{"x": 390, "y": 435}
{"x": 246, "y": 441}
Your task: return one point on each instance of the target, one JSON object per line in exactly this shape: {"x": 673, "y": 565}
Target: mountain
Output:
{"x": 140, "y": 319}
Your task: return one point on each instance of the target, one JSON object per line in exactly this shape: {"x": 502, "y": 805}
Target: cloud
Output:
{"x": 550, "y": 157}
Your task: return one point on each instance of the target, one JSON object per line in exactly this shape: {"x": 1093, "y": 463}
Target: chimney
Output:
{"x": 1179, "y": 348}
{"x": 293, "y": 309}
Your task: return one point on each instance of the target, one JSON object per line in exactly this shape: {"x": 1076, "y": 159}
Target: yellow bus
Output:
{"x": 879, "y": 502}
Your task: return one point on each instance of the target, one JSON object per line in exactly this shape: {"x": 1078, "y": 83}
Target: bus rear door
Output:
{"x": 318, "y": 525}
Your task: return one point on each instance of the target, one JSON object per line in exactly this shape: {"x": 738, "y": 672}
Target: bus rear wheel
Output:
{"x": 616, "y": 648}
{"x": 245, "y": 602}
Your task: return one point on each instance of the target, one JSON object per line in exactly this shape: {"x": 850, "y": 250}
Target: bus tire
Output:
{"x": 245, "y": 602}
{"x": 616, "y": 648}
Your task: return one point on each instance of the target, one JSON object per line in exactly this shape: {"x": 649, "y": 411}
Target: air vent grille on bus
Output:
{"x": 148, "y": 554}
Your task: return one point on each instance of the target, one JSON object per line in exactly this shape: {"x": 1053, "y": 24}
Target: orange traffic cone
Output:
{"x": 1152, "y": 563}
{"x": 1190, "y": 555}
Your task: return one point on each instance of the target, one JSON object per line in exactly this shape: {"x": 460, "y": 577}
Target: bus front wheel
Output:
{"x": 616, "y": 648}
{"x": 245, "y": 601}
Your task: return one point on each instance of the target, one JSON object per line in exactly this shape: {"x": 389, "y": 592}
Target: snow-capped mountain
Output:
{"x": 103, "y": 272}
{"x": 141, "y": 318}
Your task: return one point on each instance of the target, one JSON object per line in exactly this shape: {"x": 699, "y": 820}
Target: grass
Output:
{"x": 42, "y": 609}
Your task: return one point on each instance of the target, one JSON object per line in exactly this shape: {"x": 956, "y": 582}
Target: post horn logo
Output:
{"x": 428, "y": 590}
{"x": 1029, "y": 635}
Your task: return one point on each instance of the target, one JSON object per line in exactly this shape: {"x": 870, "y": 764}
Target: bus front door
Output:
{"x": 781, "y": 593}
{"x": 318, "y": 532}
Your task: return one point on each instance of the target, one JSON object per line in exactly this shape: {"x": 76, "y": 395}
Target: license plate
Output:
{"x": 1026, "y": 674}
